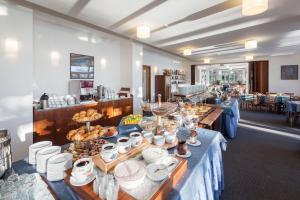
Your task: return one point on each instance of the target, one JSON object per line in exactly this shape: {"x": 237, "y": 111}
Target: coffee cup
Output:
{"x": 193, "y": 136}
{"x": 109, "y": 152}
{"x": 82, "y": 169}
{"x": 148, "y": 135}
{"x": 136, "y": 139}
{"x": 123, "y": 144}
{"x": 170, "y": 137}
{"x": 182, "y": 148}
{"x": 159, "y": 140}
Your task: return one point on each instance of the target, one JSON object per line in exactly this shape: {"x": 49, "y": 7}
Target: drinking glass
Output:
{"x": 112, "y": 189}
{"x": 102, "y": 187}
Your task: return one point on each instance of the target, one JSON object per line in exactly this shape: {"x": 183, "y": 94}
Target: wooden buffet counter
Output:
{"x": 54, "y": 124}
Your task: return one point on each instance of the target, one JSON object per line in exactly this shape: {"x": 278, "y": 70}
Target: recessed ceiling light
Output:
{"x": 249, "y": 58}
{"x": 3, "y": 10}
{"x": 254, "y": 7}
{"x": 143, "y": 31}
{"x": 206, "y": 60}
{"x": 83, "y": 38}
{"x": 283, "y": 54}
{"x": 187, "y": 52}
{"x": 251, "y": 44}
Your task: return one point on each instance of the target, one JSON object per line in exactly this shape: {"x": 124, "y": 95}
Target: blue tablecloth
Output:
{"x": 230, "y": 118}
{"x": 282, "y": 99}
{"x": 293, "y": 106}
{"x": 247, "y": 97}
{"x": 204, "y": 178}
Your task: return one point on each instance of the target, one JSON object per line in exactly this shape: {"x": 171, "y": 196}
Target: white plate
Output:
{"x": 187, "y": 155}
{"x": 60, "y": 158}
{"x": 48, "y": 150}
{"x": 78, "y": 184}
{"x": 198, "y": 143}
{"x": 39, "y": 145}
{"x": 43, "y": 155}
{"x": 160, "y": 170}
{"x": 34, "y": 148}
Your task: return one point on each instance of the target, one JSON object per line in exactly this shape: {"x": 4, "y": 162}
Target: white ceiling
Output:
{"x": 214, "y": 29}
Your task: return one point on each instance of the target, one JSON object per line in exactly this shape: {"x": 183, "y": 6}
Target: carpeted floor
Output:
{"x": 263, "y": 161}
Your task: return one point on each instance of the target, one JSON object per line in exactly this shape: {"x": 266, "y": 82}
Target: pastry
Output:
{"x": 85, "y": 116}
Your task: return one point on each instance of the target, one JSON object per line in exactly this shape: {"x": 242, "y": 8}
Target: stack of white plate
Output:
{"x": 43, "y": 155}
{"x": 57, "y": 165}
{"x": 130, "y": 174}
{"x": 34, "y": 148}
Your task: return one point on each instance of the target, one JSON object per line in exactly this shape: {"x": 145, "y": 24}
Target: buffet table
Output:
{"x": 230, "y": 117}
{"x": 204, "y": 178}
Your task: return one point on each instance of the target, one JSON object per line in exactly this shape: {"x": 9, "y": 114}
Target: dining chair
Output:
{"x": 270, "y": 101}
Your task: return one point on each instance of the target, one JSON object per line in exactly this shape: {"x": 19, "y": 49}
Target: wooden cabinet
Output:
{"x": 163, "y": 87}
{"x": 54, "y": 124}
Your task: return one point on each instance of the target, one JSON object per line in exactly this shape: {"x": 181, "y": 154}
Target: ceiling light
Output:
{"x": 206, "y": 60}
{"x": 187, "y": 52}
{"x": 249, "y": 58}
{"x": 254, "y": 7}
{"x": 251, "y": 44}
{"x": 3, "y": 10}
{"x": 143, "y": 31}
{"x": 83, "y": 38}
{"x": 283, "y": 54}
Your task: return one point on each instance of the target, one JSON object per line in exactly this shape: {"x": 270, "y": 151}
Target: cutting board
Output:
{"x": 86, "y": 192}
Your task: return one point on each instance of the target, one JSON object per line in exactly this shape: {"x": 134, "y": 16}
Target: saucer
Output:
{"x": 78, "y": 184}
{"x": 187, "y": 155}
{"x": 198, "y": 143}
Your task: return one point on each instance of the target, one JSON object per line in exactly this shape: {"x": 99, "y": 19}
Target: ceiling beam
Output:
{"x": 77, "y": 7}
{"x": 55, "y": 13}
{"x": 137, "y": 13}
{"x": 203, "y": 13}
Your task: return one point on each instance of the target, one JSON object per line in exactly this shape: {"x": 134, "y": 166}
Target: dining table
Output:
{"x": 292, "y": 109}
{"x": 204, "y": 178}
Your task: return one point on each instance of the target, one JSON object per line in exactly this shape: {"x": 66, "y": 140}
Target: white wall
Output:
{"x": 275, "y": 82}
{"x": 16, "y": 79}
{"x": 158, "y": 61}
{"x": 32, "y": 71}
{"x": 52, "y": 34}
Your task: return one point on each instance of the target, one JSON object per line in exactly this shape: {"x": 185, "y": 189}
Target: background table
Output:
{"x": 204, "y": 178}
{"x": 293, "y": 110}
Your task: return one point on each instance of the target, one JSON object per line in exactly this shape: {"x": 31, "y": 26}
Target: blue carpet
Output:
{"x": 263, "y": 162}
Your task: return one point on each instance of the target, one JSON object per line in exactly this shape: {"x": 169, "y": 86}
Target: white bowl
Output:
{"x": 153, "y": 154}
{"x": 130, "y": 174}
{"x": 170, "y": 137}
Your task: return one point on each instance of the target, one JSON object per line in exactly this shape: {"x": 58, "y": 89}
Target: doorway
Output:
{"x": 146, "y": 83}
